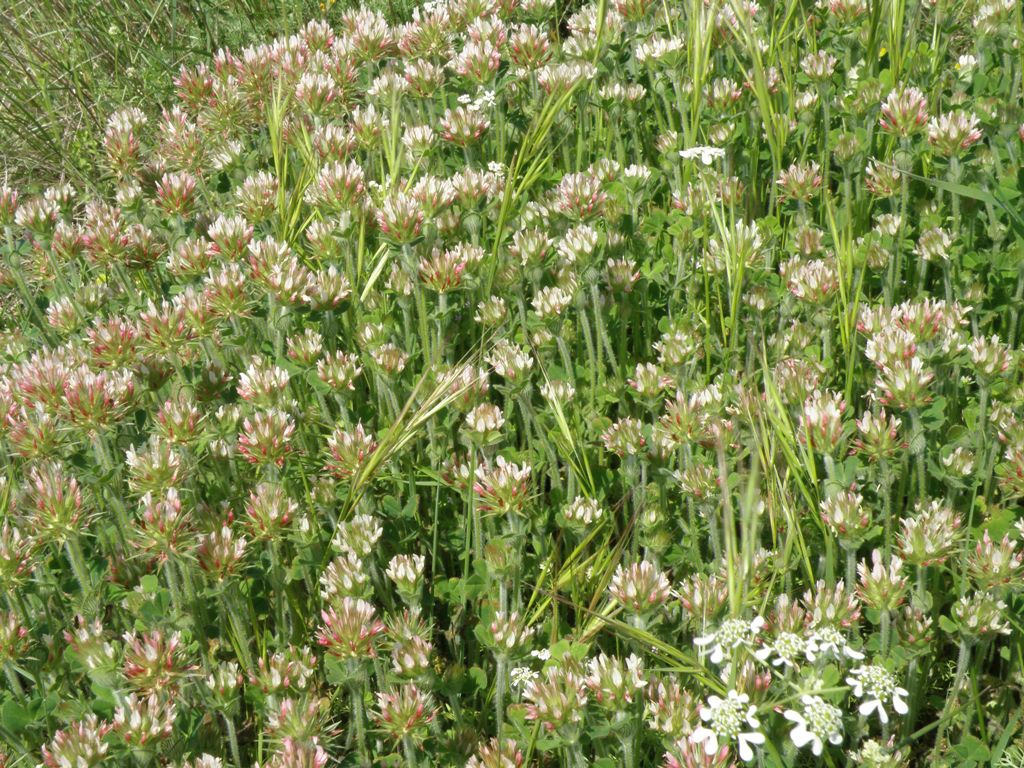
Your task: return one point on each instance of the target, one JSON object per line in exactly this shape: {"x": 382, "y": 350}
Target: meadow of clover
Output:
{"x": 501, "y": 383}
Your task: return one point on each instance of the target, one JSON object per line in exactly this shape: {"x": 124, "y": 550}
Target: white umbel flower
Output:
{"x": 876, "y": 687}
{"x": 817, "y": 723}
{"x": 706, "y": 155}
{"x": 730, "y": 635}
{"x": 729, "y": 720}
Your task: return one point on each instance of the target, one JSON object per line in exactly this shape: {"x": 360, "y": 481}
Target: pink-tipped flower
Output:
{"x": 163, "y": 527}
{"x": 929, "y": 537}
{"x": 142, "y": 721}
{"x": 846, "y": 517}
{"x": 154, "y": 661}
{"x": 503, "y": 488}
{"x": 348, "y": 449}
{"x": 220, "y": 552}
{"x": 954, "y": 133}
{"x": 266, "y": 437}
{"x": 880, "y": 587}
{"x": 53, "y": 500}
{"x": 175, "y": 193}
{"x": 615, "y": 683}
{"x": 14, "y": 640}
{"x": 80, "y": 745}
{"x": 904, "y": 111}
{"x": 557, "y": 700}
{"x": 404, "y": 711}
{"x": 230, "y": 236}
{"x": 8, "y": 205}
{"x": 508, "y": 634}
{"x": 269, "y": 511}
{"x": 463, "y": 125}
{"x": 823, "y": 421}
{"x": 497, "y": 754}
{"x": 639, "y": 588}
{"x": 996, "y": 566}
{"x": 400, "y": 218}
{"x": 831, "y": 606}
{"x": 350, "y": 629}
{"x": 800, "y": 182}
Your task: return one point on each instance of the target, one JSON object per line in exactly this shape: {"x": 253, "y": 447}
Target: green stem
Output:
{"x": 963, "y": 658}
{"x": 917, "y": 440}
{"x": 409, "y": 750}
{"x": 884, "y": 630}
{"x": 358, "y": 724}
{"x": 73, "y": 549}
{"x": 729, "y": 539}
{"x": 886, "y": 482}
{"x": 499, "y": 693}
{"x": 236, "y": 753}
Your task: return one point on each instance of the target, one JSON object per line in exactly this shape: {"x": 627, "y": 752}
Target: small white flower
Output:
{"x": 522, "y": 676}
{"x": 966, "y": 64}
{"x": 876, "y": 687}
{"x": 819, "y": 722}
{"x": 786, "y": 650}
{"x": 543, "y": 654}
{"x": 726, "y": 720}
{"x": 732, "y": 634}
{"x": 485, "y": 100}
{"x": 829, "y": 641}
{"x": 706, "y": 155}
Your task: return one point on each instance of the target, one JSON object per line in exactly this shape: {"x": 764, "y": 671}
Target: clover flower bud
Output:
{"x": 953, "y": 133}
{"x": 880, "y": 587}
{"x": 497, "y": 754}
{"x": 995, "y": 567}
{"x": 507, "y": 634}
{"x": 904, "y": 111}
{"x": 823, "y": 421}
{"x": 154, "y": 661}
{"x": 406, "y": 572}
{"x": 614, "y": 682}
{"x": 404, "y": 711}
{"x": 81, "y": 744}
{"x": 930, "y": 537}
{"x": 980, "y": 615}
{"x": 844, "y": 514}
{"x": 557, "y": 699}
{"x": 639, "y": 588}
{"x": 349, "y": 629}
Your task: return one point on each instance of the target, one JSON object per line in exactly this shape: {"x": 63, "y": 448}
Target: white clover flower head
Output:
{"x": 876, "y": 687}
{"x": 706, "y": 155}
{"x": 730, "y": 635}
{"x": 731, "y": 719}
{"x": 817, "y": 723}
{"x": 830, "y": 642}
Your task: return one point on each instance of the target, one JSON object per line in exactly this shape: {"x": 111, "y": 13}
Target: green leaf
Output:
{"x": 479, "y": 678}
{"x": 15, "y": 717}
{"x": 973, "y": 749}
